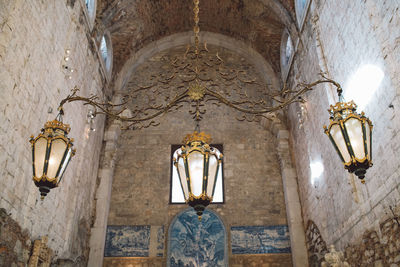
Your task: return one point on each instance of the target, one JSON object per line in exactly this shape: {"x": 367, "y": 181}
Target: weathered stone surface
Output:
{"x": 33, "y": 38}
{"x": 253, "y": 183}
{"x": 15, "y": 243}
{"x": 339, "y": 37}
{"x": 134, "y": 25}
{"x": 377, "y": 249}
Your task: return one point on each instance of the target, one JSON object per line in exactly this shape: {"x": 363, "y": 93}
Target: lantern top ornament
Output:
{"x": 55, "y": 124}
{"x": 197, "y": 137}
{"x": 342, "y": 108}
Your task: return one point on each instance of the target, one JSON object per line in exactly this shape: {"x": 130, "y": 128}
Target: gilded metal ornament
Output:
{"x": 197, "y": 78}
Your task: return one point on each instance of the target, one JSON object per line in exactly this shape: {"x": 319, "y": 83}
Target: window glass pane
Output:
{"x": 354, "y": 130}
{"x": 337, "y": 136}
{"x": 288, "y": 50}
{"x": 176, "y": 187}
{"x": 58, "y": 147}
{"x": 196, "y": 163}
{"x": 103, "y": 49}
{"x": 40, "y": 154}
{"x": 368, "y": 138}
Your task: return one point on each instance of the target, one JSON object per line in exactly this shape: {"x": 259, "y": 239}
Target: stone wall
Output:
{"x": 338, "y": 38}
{"x": 377, "y": 248}
{"x": 33, "y": 38}
{"x": 15, "y": 244}
{"x": 253, "y": 183}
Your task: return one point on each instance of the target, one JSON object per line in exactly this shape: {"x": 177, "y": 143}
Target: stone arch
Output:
{"x": 209, "y": 235}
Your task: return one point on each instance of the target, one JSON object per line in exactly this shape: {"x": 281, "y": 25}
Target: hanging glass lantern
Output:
{"x": 51, "y": 153}
{"x": 197, "y": 165}
{"x": 350, "y": 134}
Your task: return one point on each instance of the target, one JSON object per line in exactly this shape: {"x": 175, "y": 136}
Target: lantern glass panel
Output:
{"x": 196, "y": 172}
{"x": 337, "y": 136}
{"x": 355, "y": 134}
{"x": 368, "y": 138}
{"x": 65, "y": 163}
{"x": 212, "y": 174}
{"x": 183, "y": 176}
{"x": 58, "y": 147}
{"x": 40, "y": 155}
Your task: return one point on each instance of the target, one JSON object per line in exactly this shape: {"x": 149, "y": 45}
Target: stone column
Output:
{"x": 103, "y": 195}
{"x": 292, "y": 199}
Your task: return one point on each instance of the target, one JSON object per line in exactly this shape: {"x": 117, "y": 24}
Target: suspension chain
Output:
{"x": 196, "y": 28}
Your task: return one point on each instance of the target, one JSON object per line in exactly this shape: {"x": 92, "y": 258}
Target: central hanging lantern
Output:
{"x": 197, "y": 165}
{"x": 351, "y": 135}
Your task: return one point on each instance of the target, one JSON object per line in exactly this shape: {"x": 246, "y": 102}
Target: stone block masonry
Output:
{"x": 339, "y": 37}
{"x": 141, "y": 183}
{"x": 15, "y": 243}
{"x": 33, "y": 38}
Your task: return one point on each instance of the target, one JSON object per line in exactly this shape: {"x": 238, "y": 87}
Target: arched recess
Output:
{"x": 197, "y": 243}
{"x": 289, "y": 178}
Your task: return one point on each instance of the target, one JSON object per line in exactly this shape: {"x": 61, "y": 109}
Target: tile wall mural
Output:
{"x": 127, "y": 241}
{"x": 260, "y": 239}
{"x": 194, "y": 243}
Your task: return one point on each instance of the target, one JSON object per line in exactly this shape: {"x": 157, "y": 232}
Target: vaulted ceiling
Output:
{"x": 134, "y": 24}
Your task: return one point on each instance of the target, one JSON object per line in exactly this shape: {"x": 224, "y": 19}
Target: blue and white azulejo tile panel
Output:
{"x": 127, "y": 241}
{"x": 260, "y": 239}
{"x": 194, "y": 243}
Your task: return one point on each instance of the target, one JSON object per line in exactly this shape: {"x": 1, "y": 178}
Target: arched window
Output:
{"x": 91, "y": 10}
{"x": 301, "y": 7}
{"x": 176, "y": 194}
{"x": 286, "y": 53}
{"x": 197, "y": 243}
{"x": 106, "y": 52}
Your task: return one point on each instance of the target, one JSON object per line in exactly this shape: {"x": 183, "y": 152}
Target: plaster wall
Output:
{"x": 338, "y": 38}
{"x": 33, "y": 38}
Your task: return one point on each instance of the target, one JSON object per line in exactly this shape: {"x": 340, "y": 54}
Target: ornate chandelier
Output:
{"x": 197, "y": 163}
